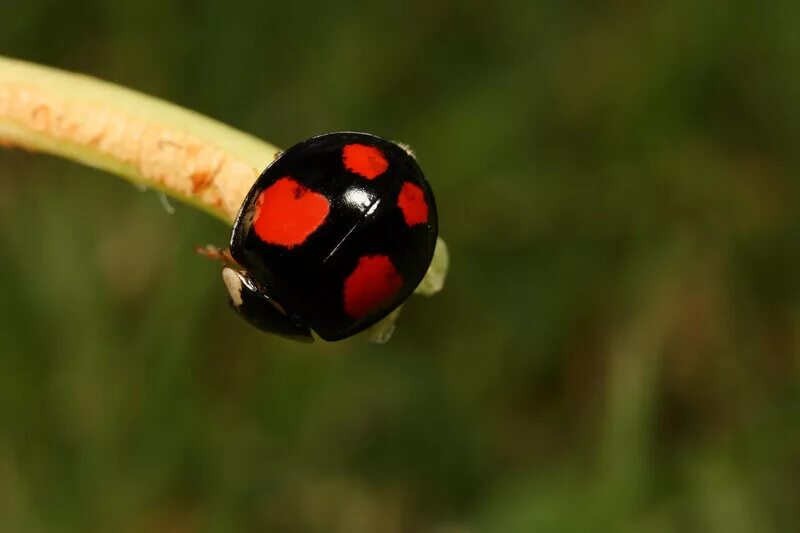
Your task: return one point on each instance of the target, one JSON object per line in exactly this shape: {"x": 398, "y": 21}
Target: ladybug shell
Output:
{"x": 339, "y": 229}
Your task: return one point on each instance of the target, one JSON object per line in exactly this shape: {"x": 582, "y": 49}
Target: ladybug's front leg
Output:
{"x": 251, "y": 300}
{"x": 217, "y": 254}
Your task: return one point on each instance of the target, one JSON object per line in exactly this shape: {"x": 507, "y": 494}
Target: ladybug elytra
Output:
{"x": 335, "y": 234}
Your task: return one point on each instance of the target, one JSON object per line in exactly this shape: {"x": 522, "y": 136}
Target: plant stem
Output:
{"x": 143, "y": 139}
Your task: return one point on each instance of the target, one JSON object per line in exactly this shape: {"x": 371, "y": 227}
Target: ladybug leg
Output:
{"x": 250, "y": 299}
{"x": 217, "y": 254}
{"x": 406, "y": 148}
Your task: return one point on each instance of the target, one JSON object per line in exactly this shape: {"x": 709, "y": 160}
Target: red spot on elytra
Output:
{"x": 287, "y": 213}
{"x": 371, "y": 286}
{"x": 412, "y": 202}
{"x": 366, "y": 161}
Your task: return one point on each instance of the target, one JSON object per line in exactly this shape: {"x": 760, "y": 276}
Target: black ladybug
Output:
{"x": 336, "y": 233}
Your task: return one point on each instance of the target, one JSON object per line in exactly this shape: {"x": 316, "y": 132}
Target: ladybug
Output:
{"x": 335, "y": 234}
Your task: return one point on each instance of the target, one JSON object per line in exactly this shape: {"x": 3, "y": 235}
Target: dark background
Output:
{"x": 618, "y": 345}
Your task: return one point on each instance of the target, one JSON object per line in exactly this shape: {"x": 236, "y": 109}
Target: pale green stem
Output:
{"x": 142, "y": 139}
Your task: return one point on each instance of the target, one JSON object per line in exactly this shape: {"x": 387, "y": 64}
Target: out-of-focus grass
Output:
{"x": 616, "y": 349}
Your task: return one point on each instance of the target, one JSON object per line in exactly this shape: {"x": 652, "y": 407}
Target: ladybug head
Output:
{"x": 337, "y": 232}
{"x": 253, "y": 303}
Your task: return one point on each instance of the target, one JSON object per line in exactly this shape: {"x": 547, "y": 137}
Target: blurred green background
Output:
{"x": 618, "y": 344}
